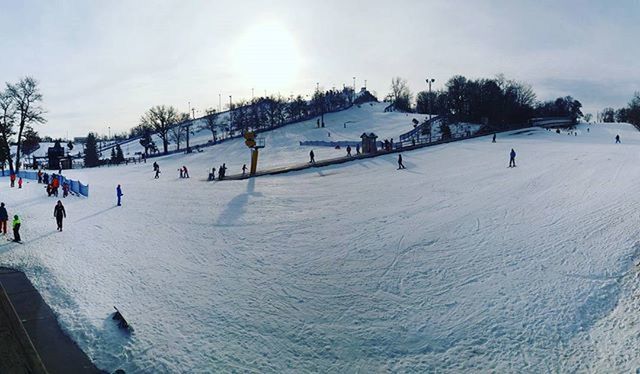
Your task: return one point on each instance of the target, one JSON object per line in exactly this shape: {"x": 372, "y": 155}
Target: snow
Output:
{"x": 457, "y": 263}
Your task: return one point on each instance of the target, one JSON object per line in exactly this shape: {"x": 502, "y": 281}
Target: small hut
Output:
{"x": 369, "y": 143}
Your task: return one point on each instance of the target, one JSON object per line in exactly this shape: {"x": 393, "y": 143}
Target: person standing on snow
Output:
{"x": 12, "y": 178}
{"x": 59, "y": 213}
{"x": 4, "y": 217}
{"x": 494, "y": 138}
{"x": 244, "y": 169}
{"x": 512, "y": 159}
{"x": 119, "y": 195}
{"x": 185, "y": 172}
{"x": 157, "y": 173}
{"x": 20, "y": 182}
{"x": 312, "y": 158}
{"x": 617, "y": 141}
{"x": 400, "y": 164}
{"x": 348, "y": 150}
{"x": 16, "y": 228}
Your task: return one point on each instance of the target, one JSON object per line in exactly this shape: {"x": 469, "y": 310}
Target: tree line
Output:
{"x": 499, "y": 103}
{"x": 630, "y": 113}
{"x": 258, "y": 114}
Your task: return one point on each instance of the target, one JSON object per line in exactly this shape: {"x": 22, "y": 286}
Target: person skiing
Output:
{"x": 312, "y": 157}
{"x": 12, "y": 178}
{"x": 349, "y": 150}
{"x": 4, "y": 217}
{"x": 617, "y": 141}
{"x": 157, "y": 173}
{"x": 185, "y": 171}
{"x": 20, "y": 182}
{"x": 400, "y": 164}
{"x": 181, "y": 173}
{"x": 212, "y": 175}
{"x": 119, "y": 195}
{"x": 244, "y": 169}
{"x": 16, "y": 229}
{"x": 512, "y": 159}
{"x": 494, "y": 138}
{"x": 222, "y": 171}
{"x": 59, "y": 213}
{"x": 155, "y": 166}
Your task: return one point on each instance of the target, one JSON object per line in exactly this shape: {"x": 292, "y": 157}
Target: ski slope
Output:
{"x": 455, "y": 264}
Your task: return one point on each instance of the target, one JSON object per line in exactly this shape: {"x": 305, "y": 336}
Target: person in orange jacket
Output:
{"x": 12, "y": 178}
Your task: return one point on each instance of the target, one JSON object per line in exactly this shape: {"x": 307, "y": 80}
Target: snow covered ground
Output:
{"x": 456, "y": 264}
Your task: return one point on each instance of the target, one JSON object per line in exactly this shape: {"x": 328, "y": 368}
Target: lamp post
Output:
{"x": 317, "y": 86}
{"x": 109, "y": 127}
{"x": 429, "y": 81}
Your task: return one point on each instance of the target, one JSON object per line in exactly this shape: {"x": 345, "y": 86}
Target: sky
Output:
{"x": 102, "y": 64}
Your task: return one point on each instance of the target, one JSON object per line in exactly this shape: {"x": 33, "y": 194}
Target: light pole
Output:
{"x": 251, "y": 93}
{"x": 230, "y": 114}
{"x": 317, "y": 86}
{"x": 365, "y": 84}
{"x": 354, "y": 84}
{"x": 109, "y": 127}
{"x": 429, "y": 81}
{"x": 219, "y": 103}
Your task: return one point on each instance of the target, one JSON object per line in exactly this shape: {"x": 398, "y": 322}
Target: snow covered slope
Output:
{"x": 456, "y": 264}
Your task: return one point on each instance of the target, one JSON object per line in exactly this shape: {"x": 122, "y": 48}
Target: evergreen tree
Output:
{"x": 119, "y": 154}
{"x": 70, "y": 145}
{"x": 91, "y": 157}
{"x": 114, "y": 157}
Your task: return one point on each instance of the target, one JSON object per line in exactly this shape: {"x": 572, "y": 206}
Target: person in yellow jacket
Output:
{"x": 16, "y": 228}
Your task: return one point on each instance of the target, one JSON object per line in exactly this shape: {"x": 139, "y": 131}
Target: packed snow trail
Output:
{"x": 456, "y": 263}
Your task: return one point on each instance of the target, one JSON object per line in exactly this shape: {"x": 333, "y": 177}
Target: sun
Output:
{"x": 266, "y": 57}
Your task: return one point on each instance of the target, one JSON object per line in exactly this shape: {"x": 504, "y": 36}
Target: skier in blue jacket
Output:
{"x": 119, "y": 194}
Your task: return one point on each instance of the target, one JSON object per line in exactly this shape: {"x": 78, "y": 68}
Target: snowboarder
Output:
{"x": 185, "y": 171}
{"x": 349, "y": 150}
{"x": 244, "y": 169}
{"x": 16, "y": 229}
{"x": 400, "y": 164}
{"x": 119, "y": 195}
{"x": 12, "y": 178}
{"x": 59, "y": 213}
{"x": 157, "y": 173}
{"x": 155, "y": 166}
{"x": 4, "y": 217}
{"x": 494, "y": 138}
{"x": 512, "y": 159}
{"x": 312, "y": 157}
{"x": 20, "y": 182}
{"x": 617, "y": 141}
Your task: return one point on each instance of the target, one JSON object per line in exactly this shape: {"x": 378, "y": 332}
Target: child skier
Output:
{"x": 16, "y": 229}
{"x": 20, "y": 182}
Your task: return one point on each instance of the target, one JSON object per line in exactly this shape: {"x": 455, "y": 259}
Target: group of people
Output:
{"x": 4, "y": 218}
{"x": 184, "y": 172}
{"x": 349, "y": 150}
{"x": 12, "y": 178}
{"x": 53, "y": 184}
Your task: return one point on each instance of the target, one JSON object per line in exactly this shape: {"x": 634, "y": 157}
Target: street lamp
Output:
{"x": 109, "y": 127}
{"x": 429, "y": 81}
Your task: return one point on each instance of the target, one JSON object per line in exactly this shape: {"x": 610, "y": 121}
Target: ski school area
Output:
{"x": 454, "y": 263}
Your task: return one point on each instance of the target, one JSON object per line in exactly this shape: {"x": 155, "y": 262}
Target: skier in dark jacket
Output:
{"x": 119, "y": 194}
{"x": 312, "y": 157}
{"x": 59, "y": 213}
{"x": 4, "y": 217}
{"x": 494, "y": 138}
{"x": 512, "y": 159}
{"x": 617, "y": 141}
{"x": 400, "y": 164}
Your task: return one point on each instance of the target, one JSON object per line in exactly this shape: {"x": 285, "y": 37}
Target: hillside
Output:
{"x": 456, "y": 264}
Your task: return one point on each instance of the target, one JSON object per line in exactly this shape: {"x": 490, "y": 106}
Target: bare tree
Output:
{"x": 7, "y": 120}
{"x": 400, "y": 94}
{"x": 178, "y": 131}
{"x": 160, "y": 118}
{"x": 210, "y": 122}
{"x": 26, "y": 96}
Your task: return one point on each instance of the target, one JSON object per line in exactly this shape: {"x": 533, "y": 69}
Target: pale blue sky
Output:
{"x": 103, "y": 63}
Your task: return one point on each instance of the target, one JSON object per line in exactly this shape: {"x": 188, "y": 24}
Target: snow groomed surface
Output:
{"x": 456, "y": 264}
